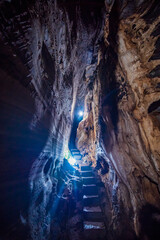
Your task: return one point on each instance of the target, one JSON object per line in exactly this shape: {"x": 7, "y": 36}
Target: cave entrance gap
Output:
{"x": 78, "y": 116}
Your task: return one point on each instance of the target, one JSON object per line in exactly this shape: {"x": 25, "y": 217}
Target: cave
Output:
{"x": 79, "y": 120}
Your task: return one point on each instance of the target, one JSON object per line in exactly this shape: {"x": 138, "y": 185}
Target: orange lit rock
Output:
{"x": 129, "y": 115}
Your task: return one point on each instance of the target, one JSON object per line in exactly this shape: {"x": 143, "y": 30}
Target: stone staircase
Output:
{"x": 76, "y": 154}
{"x": 94, "y": 225}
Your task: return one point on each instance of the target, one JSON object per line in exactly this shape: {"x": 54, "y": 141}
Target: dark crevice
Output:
{"x": 154, "y": 106}
{"x": 155, "y": 72}
{"x": 156, "y": 31}
{"x": 49, "y": 64}
{"x": 107, "y": 69}
{"x": 153, "y": 12}
{"x": 76, "y": 121}
{"x": 149, "y": 217}
{"x": 156, "y": 54}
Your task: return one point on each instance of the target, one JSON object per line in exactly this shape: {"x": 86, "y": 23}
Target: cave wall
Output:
{"x": 126, "y": 146}
{"x": 53, "y": 59}
{"x": 45, "y": 47}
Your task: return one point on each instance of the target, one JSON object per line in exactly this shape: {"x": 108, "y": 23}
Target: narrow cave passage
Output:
{"x": 79, "y": 120}
{"x": 84, "y": 211}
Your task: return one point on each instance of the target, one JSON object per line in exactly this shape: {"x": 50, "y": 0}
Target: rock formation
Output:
{"x": 126, "y": 148}
{"x": 57, "y": 56}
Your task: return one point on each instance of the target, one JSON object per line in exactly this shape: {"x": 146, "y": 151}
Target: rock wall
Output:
{"x": 54, "y": 58}
{"x": 45, "y": 47}
{"x": 126, "y": 143}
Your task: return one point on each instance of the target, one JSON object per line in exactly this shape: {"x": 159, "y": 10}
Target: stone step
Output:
{"x": 75, "y": 150}
{"x": 90, "y": 200}
{"x": 90, "y": 185}
{"x": 88, "y": 180}
{"x": 93, "y": 214}
{"x": 92, "y": 209}
{"x": 86, "y": 168}
{"x": 76, "y": 153}
{"x": 87, "y": 174}
{"x": 90, "y": 189}
{"x": 77, "y": 157}
{"x": 94, "y": 230}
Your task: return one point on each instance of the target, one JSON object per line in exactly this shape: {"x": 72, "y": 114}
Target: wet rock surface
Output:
{"x": 45, "y": 47}
{"x": 55, "y": 57}
{"x": 126, "y": 121}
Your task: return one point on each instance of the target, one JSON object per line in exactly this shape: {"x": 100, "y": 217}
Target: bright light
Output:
{"x": 80, "y": 113}
{"x": 71, "y": 160}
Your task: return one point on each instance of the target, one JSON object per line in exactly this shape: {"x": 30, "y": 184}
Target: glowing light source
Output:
{"x": 71, "y": 160}
{"x": 80, "y": 113}
{"x": 68, "y": 156}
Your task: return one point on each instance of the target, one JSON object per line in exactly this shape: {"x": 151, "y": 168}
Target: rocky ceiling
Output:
{"x": 57, "y": 56}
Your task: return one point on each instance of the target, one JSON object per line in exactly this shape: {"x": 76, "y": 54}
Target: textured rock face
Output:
{"x": 127, "y": 150}
{"x": 45, "y": 47}
{"x": 54, "y": 57}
